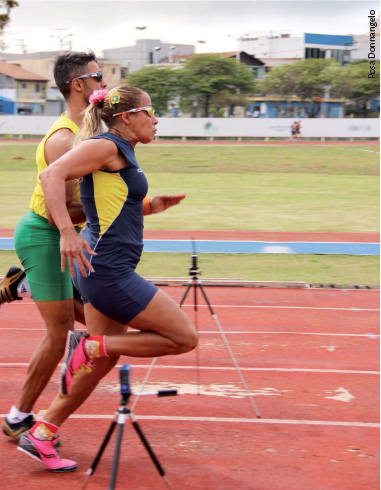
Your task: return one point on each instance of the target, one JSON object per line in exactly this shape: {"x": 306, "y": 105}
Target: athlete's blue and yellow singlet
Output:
{"x": 113, "y": 204}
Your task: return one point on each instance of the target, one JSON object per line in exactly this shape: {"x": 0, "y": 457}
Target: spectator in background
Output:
{"x": 298, "y": 134}
{"x": 293, "y": 131}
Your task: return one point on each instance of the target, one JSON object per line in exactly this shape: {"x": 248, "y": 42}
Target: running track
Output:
{"x": 309, "y": 357}
{"x": 247, "y": 242}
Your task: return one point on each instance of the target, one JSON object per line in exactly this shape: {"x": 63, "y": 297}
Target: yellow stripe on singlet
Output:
{"x": 37, "y": 201}
{"x": 110, "y": 193}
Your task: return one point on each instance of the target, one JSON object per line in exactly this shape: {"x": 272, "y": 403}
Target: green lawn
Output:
{"x": 249, "y": 187}
{"x": 325, "y": 269}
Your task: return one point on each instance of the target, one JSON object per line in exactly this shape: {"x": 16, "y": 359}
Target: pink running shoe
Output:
{"x": 75, "y": 359}
{"x": 45, "y": 452}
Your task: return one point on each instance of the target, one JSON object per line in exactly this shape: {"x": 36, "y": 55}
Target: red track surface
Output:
{"x": 309, "y": 357}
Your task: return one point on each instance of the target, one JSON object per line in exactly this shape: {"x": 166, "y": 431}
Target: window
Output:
{"x": 315, "y": 53}
{"x": 338, "y": 55}
{"x": 23, "y": 85}
{"x": 37, "y": 87}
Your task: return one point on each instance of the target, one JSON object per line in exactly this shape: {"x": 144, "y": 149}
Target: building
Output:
{"x": 21, "y": 91}
{"x": 145, "y": 52}
{"x": 42, "y": 63}
{"x": 272, "y": 106}
{"x": 308, "y": 45}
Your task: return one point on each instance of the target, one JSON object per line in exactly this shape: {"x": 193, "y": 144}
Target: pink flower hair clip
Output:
{"x": 98, "y": 96}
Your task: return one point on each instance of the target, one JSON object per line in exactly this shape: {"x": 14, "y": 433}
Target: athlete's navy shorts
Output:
{"x": 120, "y": 299}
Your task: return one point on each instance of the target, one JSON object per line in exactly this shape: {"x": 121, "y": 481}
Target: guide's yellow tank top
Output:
{"x": 37, "y": 202}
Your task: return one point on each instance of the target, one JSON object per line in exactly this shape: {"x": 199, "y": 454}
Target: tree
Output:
{"x": 207, "y": 77}
{"x": 5, "y": 18}
{"x": 159, "y": 82}
{"x": 353, "y": 83}
{"x": 306, "y": 79}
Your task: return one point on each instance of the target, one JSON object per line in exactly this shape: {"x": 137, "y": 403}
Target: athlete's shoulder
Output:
{"x": 58, "y": 143}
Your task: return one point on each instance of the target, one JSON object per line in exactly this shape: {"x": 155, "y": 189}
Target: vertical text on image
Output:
{"x": 372, "y": 44}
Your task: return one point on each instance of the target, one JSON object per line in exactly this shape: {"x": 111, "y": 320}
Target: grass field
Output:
{"x": 229, "y": 187}
{"x": 325, "y": 269}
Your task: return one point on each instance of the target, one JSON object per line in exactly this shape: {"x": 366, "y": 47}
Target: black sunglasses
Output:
{"x": 97, "y": 75}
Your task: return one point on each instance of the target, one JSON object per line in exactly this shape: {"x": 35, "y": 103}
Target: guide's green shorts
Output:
{"x": 37, "y": 244}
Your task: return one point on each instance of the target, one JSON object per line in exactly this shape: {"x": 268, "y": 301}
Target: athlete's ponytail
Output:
{"x": 92, "y": 122}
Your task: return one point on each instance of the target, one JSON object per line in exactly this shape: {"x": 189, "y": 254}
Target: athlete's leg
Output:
{"x": 37, "y": 245}
{"x": 59, "y": 319}
{"x": 164, "y": 329}
{"x": 84, "y": 384}
{"x": 79, "y": 312}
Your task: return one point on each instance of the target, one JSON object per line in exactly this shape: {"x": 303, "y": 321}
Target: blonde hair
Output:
{"x": 119, "y": 99}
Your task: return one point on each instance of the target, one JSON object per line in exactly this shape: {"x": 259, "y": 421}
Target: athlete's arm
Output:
{"x": 59, "y": 143}
{"x": 162, "y": 202}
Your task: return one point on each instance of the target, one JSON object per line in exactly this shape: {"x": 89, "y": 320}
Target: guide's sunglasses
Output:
{"x": 149, "y": 109}
{"x": 97, "y": 75}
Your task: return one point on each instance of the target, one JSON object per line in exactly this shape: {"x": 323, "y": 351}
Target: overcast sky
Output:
{"x": 103, "y": 24}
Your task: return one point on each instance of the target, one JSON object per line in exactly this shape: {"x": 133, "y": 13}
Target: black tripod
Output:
{"x": 195, "y": 281}
{"x": 120, "y": 419}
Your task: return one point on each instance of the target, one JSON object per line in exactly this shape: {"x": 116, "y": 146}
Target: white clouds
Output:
{"x": 106, "y": 24}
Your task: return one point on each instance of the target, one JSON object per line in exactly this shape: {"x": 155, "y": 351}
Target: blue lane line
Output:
{"x": 220, "y": 246}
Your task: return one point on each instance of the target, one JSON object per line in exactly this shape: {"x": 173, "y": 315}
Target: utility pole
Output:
{"x": 61, "y": 40}
{"x": 22, "y": 45}
{"x": 141, "y": 29}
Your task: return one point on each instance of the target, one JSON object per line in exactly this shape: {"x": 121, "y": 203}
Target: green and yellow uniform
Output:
{"x": 37, "y": 243}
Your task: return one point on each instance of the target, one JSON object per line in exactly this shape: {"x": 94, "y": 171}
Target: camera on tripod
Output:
{"x": 194, "y": 269}
{"x": 124, "y": 375}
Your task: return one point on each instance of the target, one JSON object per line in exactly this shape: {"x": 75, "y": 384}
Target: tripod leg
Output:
{"x": 153, "y": 362}
{"x": 197, "y": 350}
{"x": 150, "y": 451}
{"x": 186, "y": 292}
{"x": 94, "y": 464}
{"x": 193, "y": 281}
{"x": 227, "y": 345}
{"x": 121, "y": 422}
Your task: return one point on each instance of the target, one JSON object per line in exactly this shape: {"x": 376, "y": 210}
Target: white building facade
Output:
{"x": 305, "y": 46}
{"x": 146, "y": 52}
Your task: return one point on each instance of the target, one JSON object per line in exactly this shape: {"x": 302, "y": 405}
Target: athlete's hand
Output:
{"x": 164, "y": 201}
{"x": 72, "y": 246}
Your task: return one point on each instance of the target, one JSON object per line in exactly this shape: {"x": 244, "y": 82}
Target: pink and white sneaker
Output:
{"x": 45, "y": 452}
{"x": 75, "y": 359}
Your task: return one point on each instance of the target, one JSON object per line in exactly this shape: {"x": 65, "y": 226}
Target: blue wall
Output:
{"x": 272, "y": 108}
{"x": 328, "y": 39}
{"x": 7, "y": 106}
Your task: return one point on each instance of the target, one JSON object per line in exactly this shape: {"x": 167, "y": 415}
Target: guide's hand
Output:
{"x": 164, "y": 201}
{"x": 72, "y": 245}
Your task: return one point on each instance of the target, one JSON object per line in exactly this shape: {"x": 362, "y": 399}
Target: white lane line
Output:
{"x": 170, "y": 418}
{"x": 231, "y": 332}
{"x": 228, "y": 368}
{"x": 235, "y": 332}
{"x": 230, "y": 420}
{"x": 369, "y": 151}
{"x": 352, "y": 308}
{"x": 238, "y": 332}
